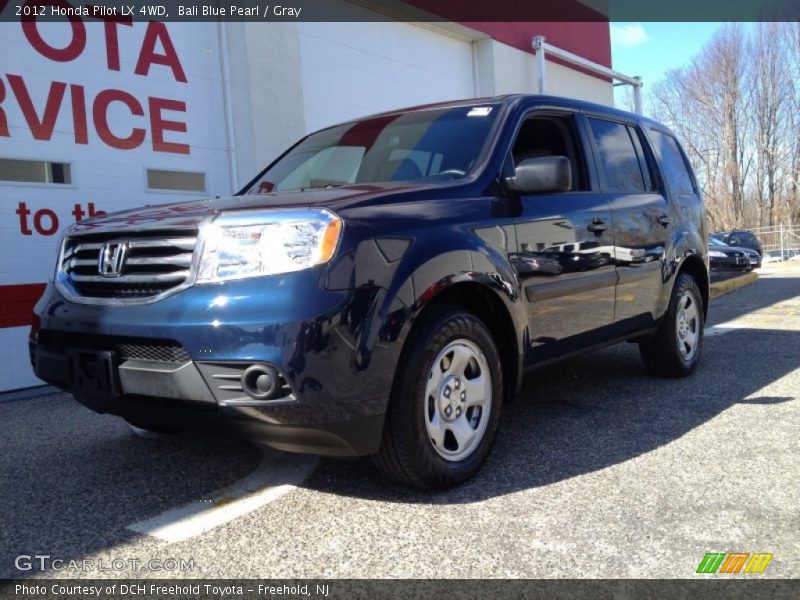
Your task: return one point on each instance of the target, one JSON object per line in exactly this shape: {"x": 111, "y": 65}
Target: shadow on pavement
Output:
{"x": 593, "y": 412}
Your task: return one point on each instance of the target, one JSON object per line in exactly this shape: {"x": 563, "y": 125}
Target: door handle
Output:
{"x": 597, "y": 225}
{"x": 664, "y": 220}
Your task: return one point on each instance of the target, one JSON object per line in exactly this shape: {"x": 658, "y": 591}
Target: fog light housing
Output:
{"x": 261, "y": 382}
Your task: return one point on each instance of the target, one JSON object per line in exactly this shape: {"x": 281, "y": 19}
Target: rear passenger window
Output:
{"x": 672, "y": 164}
{"x": 618, "y": 158}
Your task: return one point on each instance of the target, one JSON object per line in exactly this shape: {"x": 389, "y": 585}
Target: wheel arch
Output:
{"x": 487, "y": 305}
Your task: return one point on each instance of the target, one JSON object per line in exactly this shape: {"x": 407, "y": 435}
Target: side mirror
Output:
{"x": 543, "y": 174}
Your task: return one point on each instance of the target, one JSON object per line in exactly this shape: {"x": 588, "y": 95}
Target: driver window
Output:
{"x": 551, "y": 136}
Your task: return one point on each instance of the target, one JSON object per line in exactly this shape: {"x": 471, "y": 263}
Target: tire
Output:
{"x": 675, "y": 349}
{"x": 443, "y": 413}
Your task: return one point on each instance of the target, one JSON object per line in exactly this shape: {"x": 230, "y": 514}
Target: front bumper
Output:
{"x": 729, "y": 262}
{"x": 205, "y": 337}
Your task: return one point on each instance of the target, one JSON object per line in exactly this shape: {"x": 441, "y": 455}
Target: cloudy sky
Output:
{"x": 650, "y": 49}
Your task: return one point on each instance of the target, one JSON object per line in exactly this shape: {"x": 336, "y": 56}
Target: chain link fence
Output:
{"x": 779, "y": 242}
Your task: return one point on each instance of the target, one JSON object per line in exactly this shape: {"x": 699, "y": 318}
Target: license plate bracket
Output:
{"x": 94, "y": 374}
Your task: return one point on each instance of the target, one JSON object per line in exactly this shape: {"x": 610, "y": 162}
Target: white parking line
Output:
{"x": 724, "y": 328}
{"x": 278, "y": 474}
{"x": 779, "y": 317}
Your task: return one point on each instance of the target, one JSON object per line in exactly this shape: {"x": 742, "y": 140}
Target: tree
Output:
{"x": 769, "y": 91}
{"x": 736, "y": 108}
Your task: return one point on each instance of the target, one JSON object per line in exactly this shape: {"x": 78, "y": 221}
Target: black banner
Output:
{"x": 344, "y": 589}
{"x": 410, "y": 10}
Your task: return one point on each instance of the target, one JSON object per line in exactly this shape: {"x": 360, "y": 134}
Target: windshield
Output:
{"x": 715, "y": 241}
{"x": 424, "y": 145}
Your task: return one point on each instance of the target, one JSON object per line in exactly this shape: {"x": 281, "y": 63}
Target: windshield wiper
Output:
{"x": 322, "y": 187}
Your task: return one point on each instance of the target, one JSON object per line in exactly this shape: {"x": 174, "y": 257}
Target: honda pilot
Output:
{"x": 381, "y": 288}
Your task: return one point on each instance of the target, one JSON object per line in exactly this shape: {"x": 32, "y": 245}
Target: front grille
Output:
{"x": 127, "y": 348}
{"x": 152, "y": 263}
{"x": 163, "y": 352}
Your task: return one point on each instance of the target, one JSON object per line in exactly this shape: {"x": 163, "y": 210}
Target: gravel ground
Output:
{"x": 598, "y": 471}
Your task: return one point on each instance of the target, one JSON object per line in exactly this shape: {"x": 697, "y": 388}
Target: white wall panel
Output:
{"x": 110, "y": 178}
{"x": 507, "y": 70}
{"x": 355, "y": 69}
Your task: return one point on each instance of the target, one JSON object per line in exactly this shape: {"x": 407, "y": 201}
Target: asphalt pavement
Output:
{"x": 598, "y": 471}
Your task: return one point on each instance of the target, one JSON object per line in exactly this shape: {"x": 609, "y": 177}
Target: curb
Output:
{"x": 725, "y": 287}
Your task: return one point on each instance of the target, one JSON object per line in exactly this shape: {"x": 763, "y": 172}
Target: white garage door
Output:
{"x": 355, "y": 69}
{"x": 96, "y": 119}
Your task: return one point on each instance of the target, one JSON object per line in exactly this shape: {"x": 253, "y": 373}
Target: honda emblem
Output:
{"x": 112, "y": 259}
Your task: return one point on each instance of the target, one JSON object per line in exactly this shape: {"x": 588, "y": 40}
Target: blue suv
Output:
{"x": 383, "y": 285}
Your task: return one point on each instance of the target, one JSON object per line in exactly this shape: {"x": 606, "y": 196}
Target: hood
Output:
{"x": 187, "y": 215}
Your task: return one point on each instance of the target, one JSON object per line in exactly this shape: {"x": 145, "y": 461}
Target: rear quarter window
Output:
{"x": 673, "y": 165}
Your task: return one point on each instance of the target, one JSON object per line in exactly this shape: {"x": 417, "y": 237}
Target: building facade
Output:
{"x": 98, "y": 116}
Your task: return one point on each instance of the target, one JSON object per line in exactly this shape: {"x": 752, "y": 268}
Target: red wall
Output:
{"x": 590, "y": 40}
{"x": 567, "y": 24}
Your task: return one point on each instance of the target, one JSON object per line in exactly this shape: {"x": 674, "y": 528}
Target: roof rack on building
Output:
{"x": 541, "y": 48}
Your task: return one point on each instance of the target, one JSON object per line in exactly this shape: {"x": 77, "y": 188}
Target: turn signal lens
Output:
{"x": 330, "y": 239}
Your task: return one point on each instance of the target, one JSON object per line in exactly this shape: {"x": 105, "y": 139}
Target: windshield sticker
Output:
{"x": 480, "y": 111}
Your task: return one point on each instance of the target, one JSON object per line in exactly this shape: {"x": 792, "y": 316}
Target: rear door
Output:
{"x": 640, "y": 215}
{"x": 564, "y": 243}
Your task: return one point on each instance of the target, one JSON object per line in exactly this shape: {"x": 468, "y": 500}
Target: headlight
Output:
{"x": 241, "y": 245}
{"x": 716, "y": 254}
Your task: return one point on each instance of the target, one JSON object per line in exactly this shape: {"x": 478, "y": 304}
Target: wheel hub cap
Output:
{"x": 458, "y": 400}
{"x": 687, "y": 325}
{"x": 452, "y": 399}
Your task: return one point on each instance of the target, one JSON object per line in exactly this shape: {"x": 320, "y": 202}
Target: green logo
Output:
{"x": 734, "y": 562}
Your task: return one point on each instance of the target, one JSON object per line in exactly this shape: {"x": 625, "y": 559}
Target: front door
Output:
{"x": 564, "y": 246}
